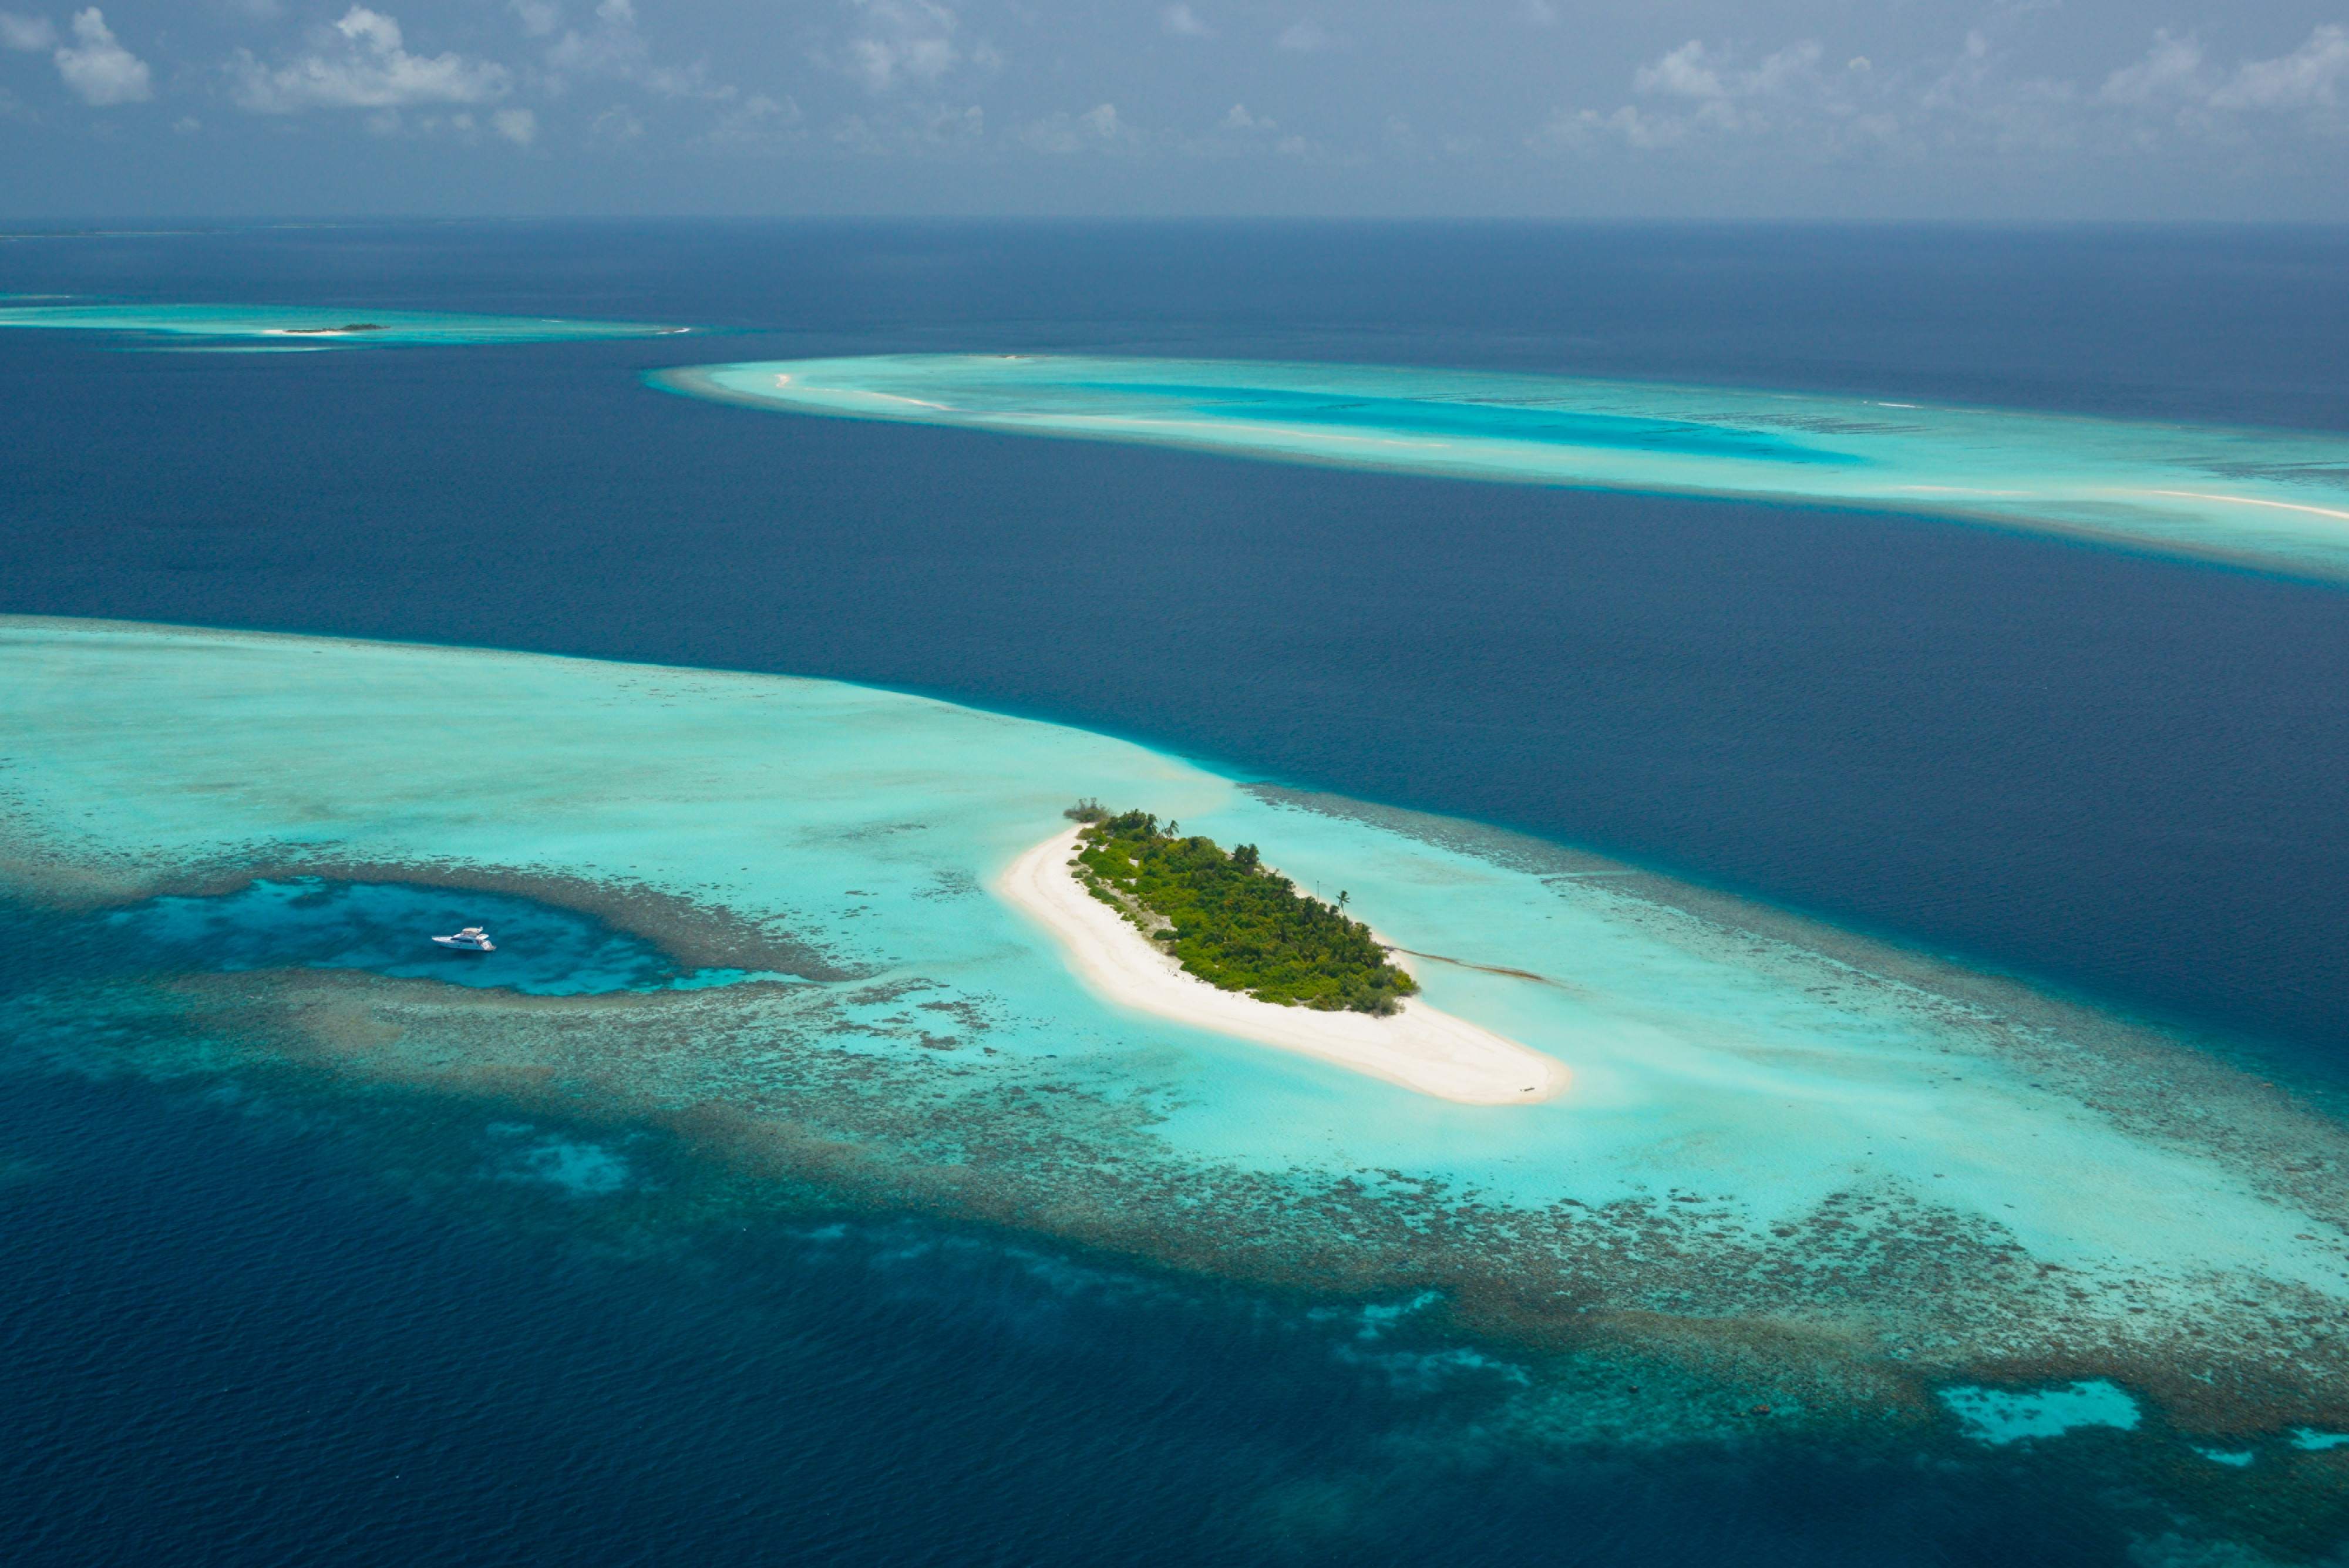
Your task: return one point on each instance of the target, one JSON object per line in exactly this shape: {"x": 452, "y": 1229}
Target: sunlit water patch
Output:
{"x": 1801, "y": 1184}
{"x": 2275, "y": 498}
{"x": 294, "y": 327}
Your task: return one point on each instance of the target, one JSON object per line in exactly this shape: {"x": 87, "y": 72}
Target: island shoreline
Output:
{"x": 1418, "y": 1047}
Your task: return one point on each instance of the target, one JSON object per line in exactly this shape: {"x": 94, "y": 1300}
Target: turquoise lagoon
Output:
{"x": 318, "y": 923}
{"x": 1796, "y": 1173}
{"x": 293, "y": 327}
{"x": 2275, "y": 499}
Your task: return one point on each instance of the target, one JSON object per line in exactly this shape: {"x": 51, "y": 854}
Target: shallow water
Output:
{"x": 1814, "y": 1184}
{"x": 2005, "y": 1416}
{"x": 293, "y": 329}
{"x": 2278, "y": 499}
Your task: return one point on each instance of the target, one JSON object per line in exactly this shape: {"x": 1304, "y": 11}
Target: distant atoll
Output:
{"x": 326, "y": 327}
{"x": 2276, "y": 499}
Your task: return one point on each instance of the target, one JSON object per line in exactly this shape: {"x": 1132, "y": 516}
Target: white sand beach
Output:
{"x": 1419, "y": 1047}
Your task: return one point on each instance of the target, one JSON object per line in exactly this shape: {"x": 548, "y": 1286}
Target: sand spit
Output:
{"x": 1419, "y": 1048}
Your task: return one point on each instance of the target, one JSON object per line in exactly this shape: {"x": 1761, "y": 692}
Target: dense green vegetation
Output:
{"x": 1232, "y": 921}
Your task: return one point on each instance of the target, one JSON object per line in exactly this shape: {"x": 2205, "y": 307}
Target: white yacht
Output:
{"x": 472, "y": 939}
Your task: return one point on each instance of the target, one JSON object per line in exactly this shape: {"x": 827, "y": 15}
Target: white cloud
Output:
{"x": 938, "y": 127}
{"x": 1238, "y": 132}
{"x": 1694, "y": 71}
{"x": 1706, "y": 91}
{"x": 609, "y": 48}
{"x": 903, "y": 43}
{"x": 1683, "y": 71}
{"x": 1698, "y": 96}
{"x": 99, "y": 69}
{"x": 539, "y": 18}
{"x": 372, "y": 30}
{"x": 1182, "y": 22}
{"x": 612, "y": 49}
{"x": 756, "y": 122}
{"x": 2174, "y": 79}
{"x": 363, "y": 62}
{"x": 2171, "y": 68}
{"x": 186, "y": 125}
{"x": 1065, "y": 133}
{"x": 1304, "y": 37}
{"x": 519, "y": 126}
{"x": 1539, "y": 13}
{"x": 1582, "y": 130}
{"x": 1789, "y": 102}
{"x": 616, "y": 126}
{"x": 2308, "y": 77}
{"x": 27, "y": 33}
{"x": 1977, "y": 100}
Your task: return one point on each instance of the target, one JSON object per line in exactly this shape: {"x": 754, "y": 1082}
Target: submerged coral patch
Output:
{"x": 576, "y": 1166}
{"x": 2019, "y": 1414}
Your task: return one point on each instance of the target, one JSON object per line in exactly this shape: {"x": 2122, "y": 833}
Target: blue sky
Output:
{"x": 1890, "y": 108}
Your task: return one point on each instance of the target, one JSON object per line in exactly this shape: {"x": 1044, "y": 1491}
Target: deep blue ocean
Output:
{"x": 251, "y": 1319}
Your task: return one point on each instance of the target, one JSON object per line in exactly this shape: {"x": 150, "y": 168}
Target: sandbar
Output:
{"x": 1419, "y": 1047}
{"x": 2274, "y": 498}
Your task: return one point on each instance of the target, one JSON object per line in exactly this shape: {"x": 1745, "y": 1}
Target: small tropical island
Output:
{"x": 1231, "y": 919}
{"x": 1173, "y": 925}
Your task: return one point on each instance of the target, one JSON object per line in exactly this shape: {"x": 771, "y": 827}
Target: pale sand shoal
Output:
{"x": 1419, "y": 1047}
